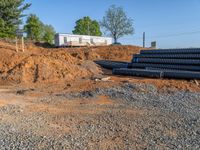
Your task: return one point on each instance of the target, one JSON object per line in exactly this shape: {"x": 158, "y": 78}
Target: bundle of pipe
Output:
{"x": 162, "y": 63}
{"x": 176, "y": 59}
{"x": 168, "y": 63}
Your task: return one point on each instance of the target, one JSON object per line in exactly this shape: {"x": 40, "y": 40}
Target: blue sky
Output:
{"x": 172, "y": 23}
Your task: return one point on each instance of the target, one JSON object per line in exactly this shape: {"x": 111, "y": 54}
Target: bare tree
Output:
{"x": 117, "y": 23}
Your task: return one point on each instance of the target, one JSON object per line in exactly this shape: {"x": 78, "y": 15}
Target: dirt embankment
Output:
{"x": 121, "y": 53}
{"x": 53, "y": 66}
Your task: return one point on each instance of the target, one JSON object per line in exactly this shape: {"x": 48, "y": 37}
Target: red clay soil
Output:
{"x": 168, "y": 85}
{"x": 121, "y": 53}
{"x": 46, "y": 66}
{"x": 51, "y": 67}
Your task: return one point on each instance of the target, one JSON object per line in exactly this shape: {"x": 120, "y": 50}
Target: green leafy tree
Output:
{"x": 34, "y": 28}
{"x": 86, "y": 26}
{"x": 49, "y": 33}
{"x": 11, "y": 13}
{"x": 117, "y": 23}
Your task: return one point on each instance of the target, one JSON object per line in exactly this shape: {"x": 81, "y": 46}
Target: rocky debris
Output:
{"x": 11, "y": 109}
{"x": 91, "y": 67}
{"x": 104, "y": 79}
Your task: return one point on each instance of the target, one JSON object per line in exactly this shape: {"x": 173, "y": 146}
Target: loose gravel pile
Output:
{"x": 144, "y": 118}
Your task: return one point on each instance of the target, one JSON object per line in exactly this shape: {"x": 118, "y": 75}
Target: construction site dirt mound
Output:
{"x": 85, "y": 53}
{"x": 49, "y": 67}
{"x": 120, "y": 53}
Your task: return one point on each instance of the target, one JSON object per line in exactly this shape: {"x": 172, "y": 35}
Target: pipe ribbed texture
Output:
{"x": 164, "y": 66}
{"x": 111, "y": 64}
{"x": 172, "y": 56}
{"x": 167, "y": 61}
{"x": 174, "y": 51}
{"x": 138, "y": 72}
{"x": 158, "y": 73}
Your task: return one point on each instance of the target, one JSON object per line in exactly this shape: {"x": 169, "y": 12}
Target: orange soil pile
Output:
{"x": 120, "y": 53}
{"x": 53, "y": 66}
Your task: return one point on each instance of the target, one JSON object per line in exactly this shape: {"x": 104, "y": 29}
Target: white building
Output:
{"x": 81, "y": 40}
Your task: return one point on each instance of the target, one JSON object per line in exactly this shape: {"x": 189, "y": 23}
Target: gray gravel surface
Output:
{"x": 157, "y": 120}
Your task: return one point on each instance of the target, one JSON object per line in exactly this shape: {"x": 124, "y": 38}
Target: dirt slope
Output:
{"x": 48, "y": 65}
{"x": 122, "y": 53}
{"x": 36, "y": 67}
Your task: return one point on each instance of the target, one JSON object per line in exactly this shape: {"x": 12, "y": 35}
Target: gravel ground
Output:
{"x": 141, "y": 117}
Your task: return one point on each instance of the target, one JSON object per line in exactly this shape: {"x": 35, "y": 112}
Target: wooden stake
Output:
{"x": 22, "y": 43}
{"x": 197, "y": 83}
{"x": 16, "y": 40}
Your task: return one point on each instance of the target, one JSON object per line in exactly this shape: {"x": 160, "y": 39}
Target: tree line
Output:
{"x": 115, "y": 23}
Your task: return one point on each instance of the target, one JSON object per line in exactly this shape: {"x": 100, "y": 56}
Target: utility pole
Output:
{"x": 144, "y": 39}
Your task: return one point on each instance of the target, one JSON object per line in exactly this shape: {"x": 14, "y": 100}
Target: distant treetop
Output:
{"x": 11, "y": 12}
{"x": 86, "y": 26}
{"x": 38, "y": 31}
{"x": 117, "y": 23}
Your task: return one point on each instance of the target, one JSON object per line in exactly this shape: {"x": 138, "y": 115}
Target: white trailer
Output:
{"x": 62, "y": 40}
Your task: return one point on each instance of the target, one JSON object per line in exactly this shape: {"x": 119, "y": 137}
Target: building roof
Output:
{"x": 82, "y": 35}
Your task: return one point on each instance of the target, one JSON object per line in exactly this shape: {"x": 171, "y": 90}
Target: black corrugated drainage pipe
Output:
{"x": 172, "y": 51}
{"x": 167, "y": 61}
{"x": 177, "y": 56}
{"x": 111, "y": 64}
{"x": 152, "y": 68}
{"x": 181, "y": 74}
{"x": 138, "y": 72}
{"x": 158, "y": 73}
{"x": 164, "y": 66}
